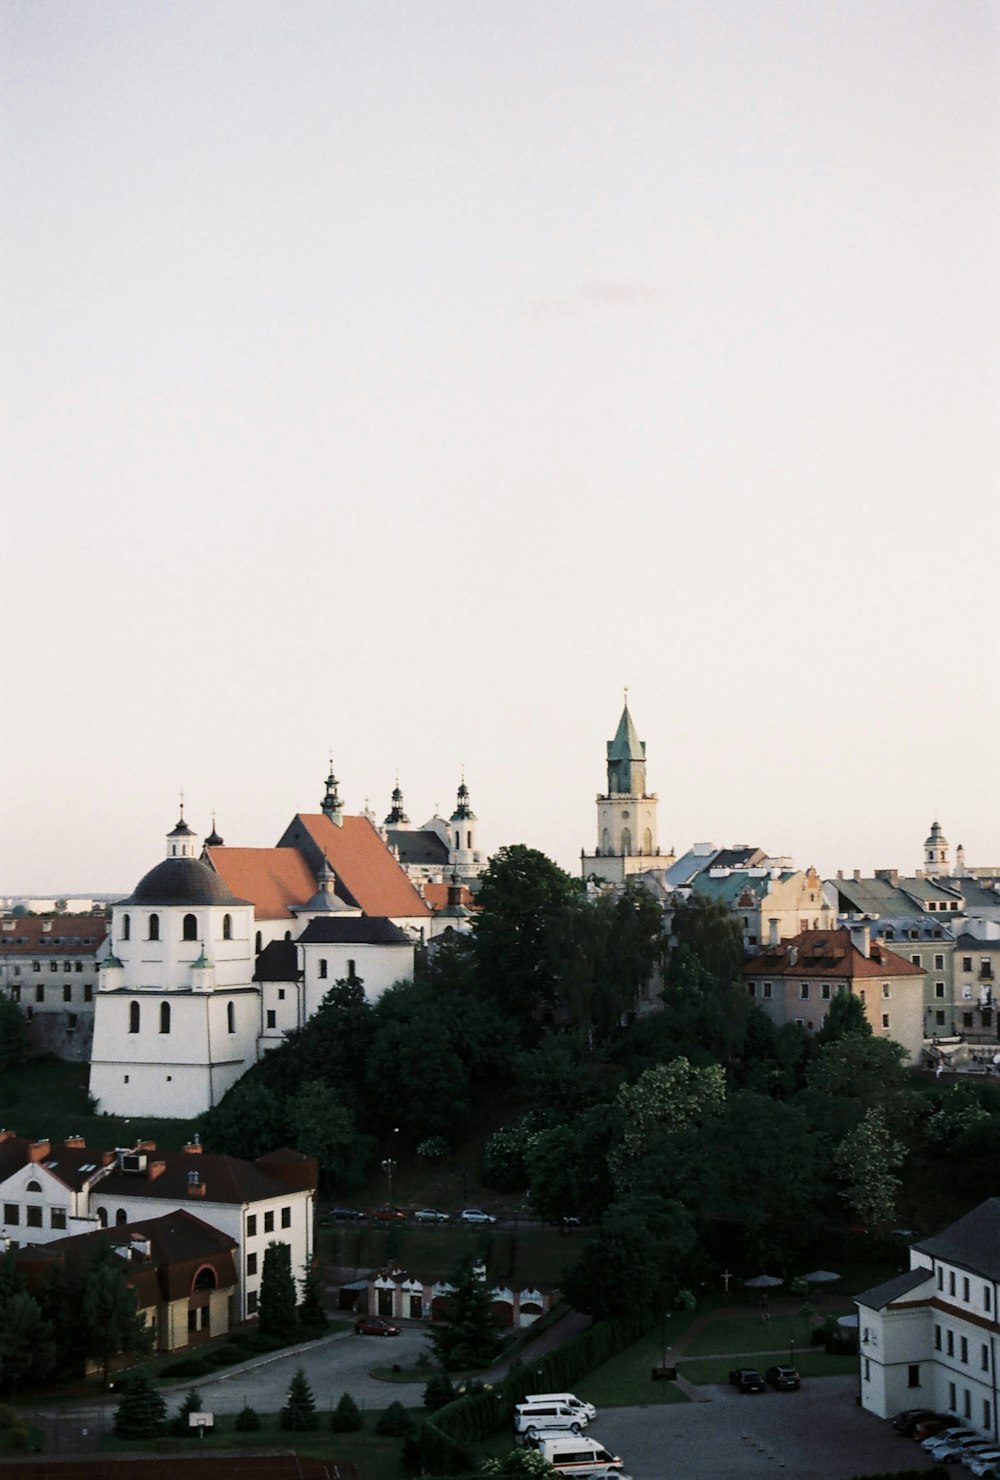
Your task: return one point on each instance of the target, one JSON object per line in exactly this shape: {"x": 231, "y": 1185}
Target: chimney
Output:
{"x": 193, "y": 1148}
{"x": 793, "y": 955}
{"x": 155, "y": 1169}
{"x": 857, "y": 875}
{"x": 195, "y": 1186}
{"x": 772, "y": 930}
{"x": 75, "y": 1143}
{"x": 141, "y": 1246}
{"x": 145, "y": 1145}
{"x": 861, "y": 939}
{"x": 6, "y": 1135}
{"x": 894, "y": 877}
{"x": 39, "y": 1150}
{"x": 107, "y": 1157}
{"x": 840, "y": 873}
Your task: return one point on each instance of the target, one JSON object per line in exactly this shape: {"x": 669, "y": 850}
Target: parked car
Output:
{"x": 342, "y": 1215}
{"x": 374, "y": 1326}
{"x": 388, "y": 1214}
{"x": 530, "y": 1419}
{"x": 475, "y": 1215}
{"x": 785, "y": 1379}
{"x": 944, "y": 1436}
{"x": 985, "y": 1463}
{"x": 747, "y": 1380}
{"x": 430, "y": 1215}
{"x": 570, "y": 1399}
{"x": 906, "y": 1422}
{"x": 927, "y": 1427}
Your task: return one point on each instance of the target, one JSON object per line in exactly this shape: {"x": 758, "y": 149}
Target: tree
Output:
{"x": 395, "y": 1422}
{"x": 27, "y": 1340}
{"x": 711, "y": 933}
{"x": 851, "y": 1075}
{"x": 299, "y": 1412}
{"x": 346, "y": 1417}
{"x": 324, "y": 1128}
{"x": 466, "y": 1337}
{"x": 248, "y": 1121}
{"x": 311, "y": 1313}
{"x": 521, "y": 895}
{"x": 247, "y": 1420}
{"x": 439, "y": 1391}
{"x": 846, "y": 1014}
{"x": 110, "y": 1321}
{"x": 13, "y": 1034}
{"x": 518, "y": 1462}
{"x": 192, "y": 1404}
{"x": 568, "y": 1165}
{"x": 666, "y": 1097}
{"x": 633, "y": 1261}
{"x": 142, "y": 1413}
{"x": 868, "y": 1160}
{"x": 276, "y": 1315}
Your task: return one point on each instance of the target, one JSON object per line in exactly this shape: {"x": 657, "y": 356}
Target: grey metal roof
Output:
{"x": 420, "y": 845}
{"x": 973, "y": 1242}
{"x": 278, "y": 962}
{"x": 882, "y": 1295}
{"x": 180, "y": 881}
{"x": 362, "y": 930}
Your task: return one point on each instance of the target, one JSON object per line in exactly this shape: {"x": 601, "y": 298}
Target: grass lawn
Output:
{"x": 748, "y": 1334}
{"x": 627, "y": 1378}
{"x": 811, "y": 1362}
{"x": 377, "y": 1458}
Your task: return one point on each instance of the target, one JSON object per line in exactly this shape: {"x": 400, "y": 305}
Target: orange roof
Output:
{"x": 828, "y": 953}
{"x": 271, "y": 878}
{"x": 436, "y": 896}
{"x": 361, "y": 860}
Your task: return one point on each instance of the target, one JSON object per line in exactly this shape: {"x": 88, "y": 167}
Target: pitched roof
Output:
{"x": 179, "y": 1245}
{"x": 362, "y": 930}
{"x": 828, "y": 953}
{"x": 418, "y": 845}
{"x": 367, "y": 873}
{"x": 973, "y": 1242}
{"x": 882, "y": 1295}
{"x": 626, "y": 746}
{"x": 226, "y": 1179}
{"x": 271, "y": 878}
{"x": 278, "y": 962}
{"x": 63, "y": 935}
{"x": 73, "y": 1166}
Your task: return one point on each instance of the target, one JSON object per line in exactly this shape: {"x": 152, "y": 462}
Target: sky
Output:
{"x": 400, "y": 381}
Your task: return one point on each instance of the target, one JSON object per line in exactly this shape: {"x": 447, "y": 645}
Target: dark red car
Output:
{"x": 388, "y": 1214}
{"x": 374, "y": 1326}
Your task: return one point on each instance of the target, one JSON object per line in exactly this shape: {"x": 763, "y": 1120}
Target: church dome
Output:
{"x": 181, "y": 881}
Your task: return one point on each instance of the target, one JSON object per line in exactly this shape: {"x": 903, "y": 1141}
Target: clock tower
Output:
{"x": 626, "y": 813}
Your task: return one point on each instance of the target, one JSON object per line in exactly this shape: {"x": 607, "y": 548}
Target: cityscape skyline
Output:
{"x": 401, "y": 382}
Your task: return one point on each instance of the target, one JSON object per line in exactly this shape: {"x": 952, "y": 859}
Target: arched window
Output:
{"x": 647, "y": 841}
{"x": 33, "y": 1186}
{"x": 164, "y": 1017}
{"x": 133, "y": 1017}
{"x": 205, "y": 1279}
{"x": 102, "y": 1217}
{"x": 605, "y": 842}
{"x": 121, "y": 1217}
{"x": 288, "y": 935}
{"x": 350, "y": 971}
{"x": 458, "y": 839}
{"x": 227, "y": 927}
{"x": 126, "y": 927}
{"x": 230, "y": 1017}
{"x": 626, "y": 842}
{"x": 154, "y": 927}
{"x": 468, "y": 839}
{"x": 322, "y": 968}
{"x": 258, "y": 943}
{"x": 190, "y": 930}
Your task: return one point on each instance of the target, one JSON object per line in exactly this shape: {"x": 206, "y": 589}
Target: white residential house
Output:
{"x": 929, "y": 1337}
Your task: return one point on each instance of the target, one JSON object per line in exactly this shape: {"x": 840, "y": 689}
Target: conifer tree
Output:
{"x": 141, "y": 1414}
{"x": 276, "y": 1310}
{"x": 299, "y": 1412}
{"x": 311, "y": 1313}
{"x": 467, "y": 1336}
{"x": 192, "y": 1404}
{"x": 346, "y": 1417}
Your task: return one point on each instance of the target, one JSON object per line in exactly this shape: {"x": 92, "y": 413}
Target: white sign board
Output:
{"x": 201, "y": 1420}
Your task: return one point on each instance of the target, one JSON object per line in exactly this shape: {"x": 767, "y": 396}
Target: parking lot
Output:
{"x": 817, "y": 1433}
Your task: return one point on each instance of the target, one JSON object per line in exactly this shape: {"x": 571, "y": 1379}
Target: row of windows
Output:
{"x": 67, "y": 966}
{"x": 324, "y": 969}
{"x": 286, "y": 1221}
{"x": 32, "y": 1216}
{"x": 135, "y": 1017}
{"x": 944, "y": 1340}
{"x": 966, "y": 1295}
{"x": 67, "y": 993}
{"x": 189, "y": 927}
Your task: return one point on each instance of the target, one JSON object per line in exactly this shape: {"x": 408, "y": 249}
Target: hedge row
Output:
{"x": 476, "y": 1416}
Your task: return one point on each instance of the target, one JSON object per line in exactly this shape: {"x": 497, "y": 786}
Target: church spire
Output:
{"x": 331, "y": 805}
{"x": 397, "y": 813}
{"x": 626, "y": 758}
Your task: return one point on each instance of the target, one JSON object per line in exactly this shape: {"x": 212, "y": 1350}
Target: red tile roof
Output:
{"x": 828, "y": 953}
{"x": 271, "y": 878}
{"x": 436, "y": 896}
{"x": 363, "y": 864}
{"x": 54, "y": 935}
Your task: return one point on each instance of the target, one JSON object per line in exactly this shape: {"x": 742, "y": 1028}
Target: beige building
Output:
{"x": 49, "y": 965}
{"x": 795, "y": 981}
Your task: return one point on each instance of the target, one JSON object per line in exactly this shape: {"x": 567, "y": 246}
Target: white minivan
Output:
{"x": 531, "y": 1418}
{"x": 576, "y": 1456}
{"x": 570, "y": 1399}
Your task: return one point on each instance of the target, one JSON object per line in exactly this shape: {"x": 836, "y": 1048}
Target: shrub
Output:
{"x": 227, "y": 1356}
{"x": 179, "y": 1423}
{"x": 299, "y": 1412}
{"x": 395, "y": 1422}
{"x": 346, "y": 1417}
{"x": 187, "y": 1367}
{"x": 247, "y": 1420}
{"x": 439, "y": 1392}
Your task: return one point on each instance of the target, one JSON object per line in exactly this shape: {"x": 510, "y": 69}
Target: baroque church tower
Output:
{"x": 626, "y": 813}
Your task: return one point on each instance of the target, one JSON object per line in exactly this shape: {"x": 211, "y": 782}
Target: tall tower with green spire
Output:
{"x": 626, "y": 813}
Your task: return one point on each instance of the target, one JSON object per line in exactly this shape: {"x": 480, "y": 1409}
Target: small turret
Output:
{"x": 397, "y": 813}
{"x": 213, "y": 840}
{"x": 331, "y": 805}
{"x": 182, "y": 841}
{"x": 936, "y": 852}
{"x": 462, "y": 833}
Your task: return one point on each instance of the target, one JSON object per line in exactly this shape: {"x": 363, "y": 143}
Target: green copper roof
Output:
{"x": 626, "y": 746}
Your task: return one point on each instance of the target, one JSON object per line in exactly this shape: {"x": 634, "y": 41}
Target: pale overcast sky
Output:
{"x": 403, "y": 379}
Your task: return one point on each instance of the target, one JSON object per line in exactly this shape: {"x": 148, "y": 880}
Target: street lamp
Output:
{"x": 389, "y": 1166}
{"x": 791, "y": 1351}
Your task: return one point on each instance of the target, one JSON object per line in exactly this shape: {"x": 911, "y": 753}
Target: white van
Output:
{"x": 531, "y": 1418}
{"x": 570, "y": 1399}
{"x": 574, "y": 1456}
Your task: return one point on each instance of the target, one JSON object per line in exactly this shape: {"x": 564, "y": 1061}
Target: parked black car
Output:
{"x": 747, "y": 1380}
{"x": 785, "y": 1379}
{"x": 905, "y": 1422}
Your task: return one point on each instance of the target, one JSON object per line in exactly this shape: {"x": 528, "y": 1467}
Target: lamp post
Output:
{"x": 791, "y": 1351}
{"x": 389, "y": 1166}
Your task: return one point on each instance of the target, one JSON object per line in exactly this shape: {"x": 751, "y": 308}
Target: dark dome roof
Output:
{"x": 181, "y": 881}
